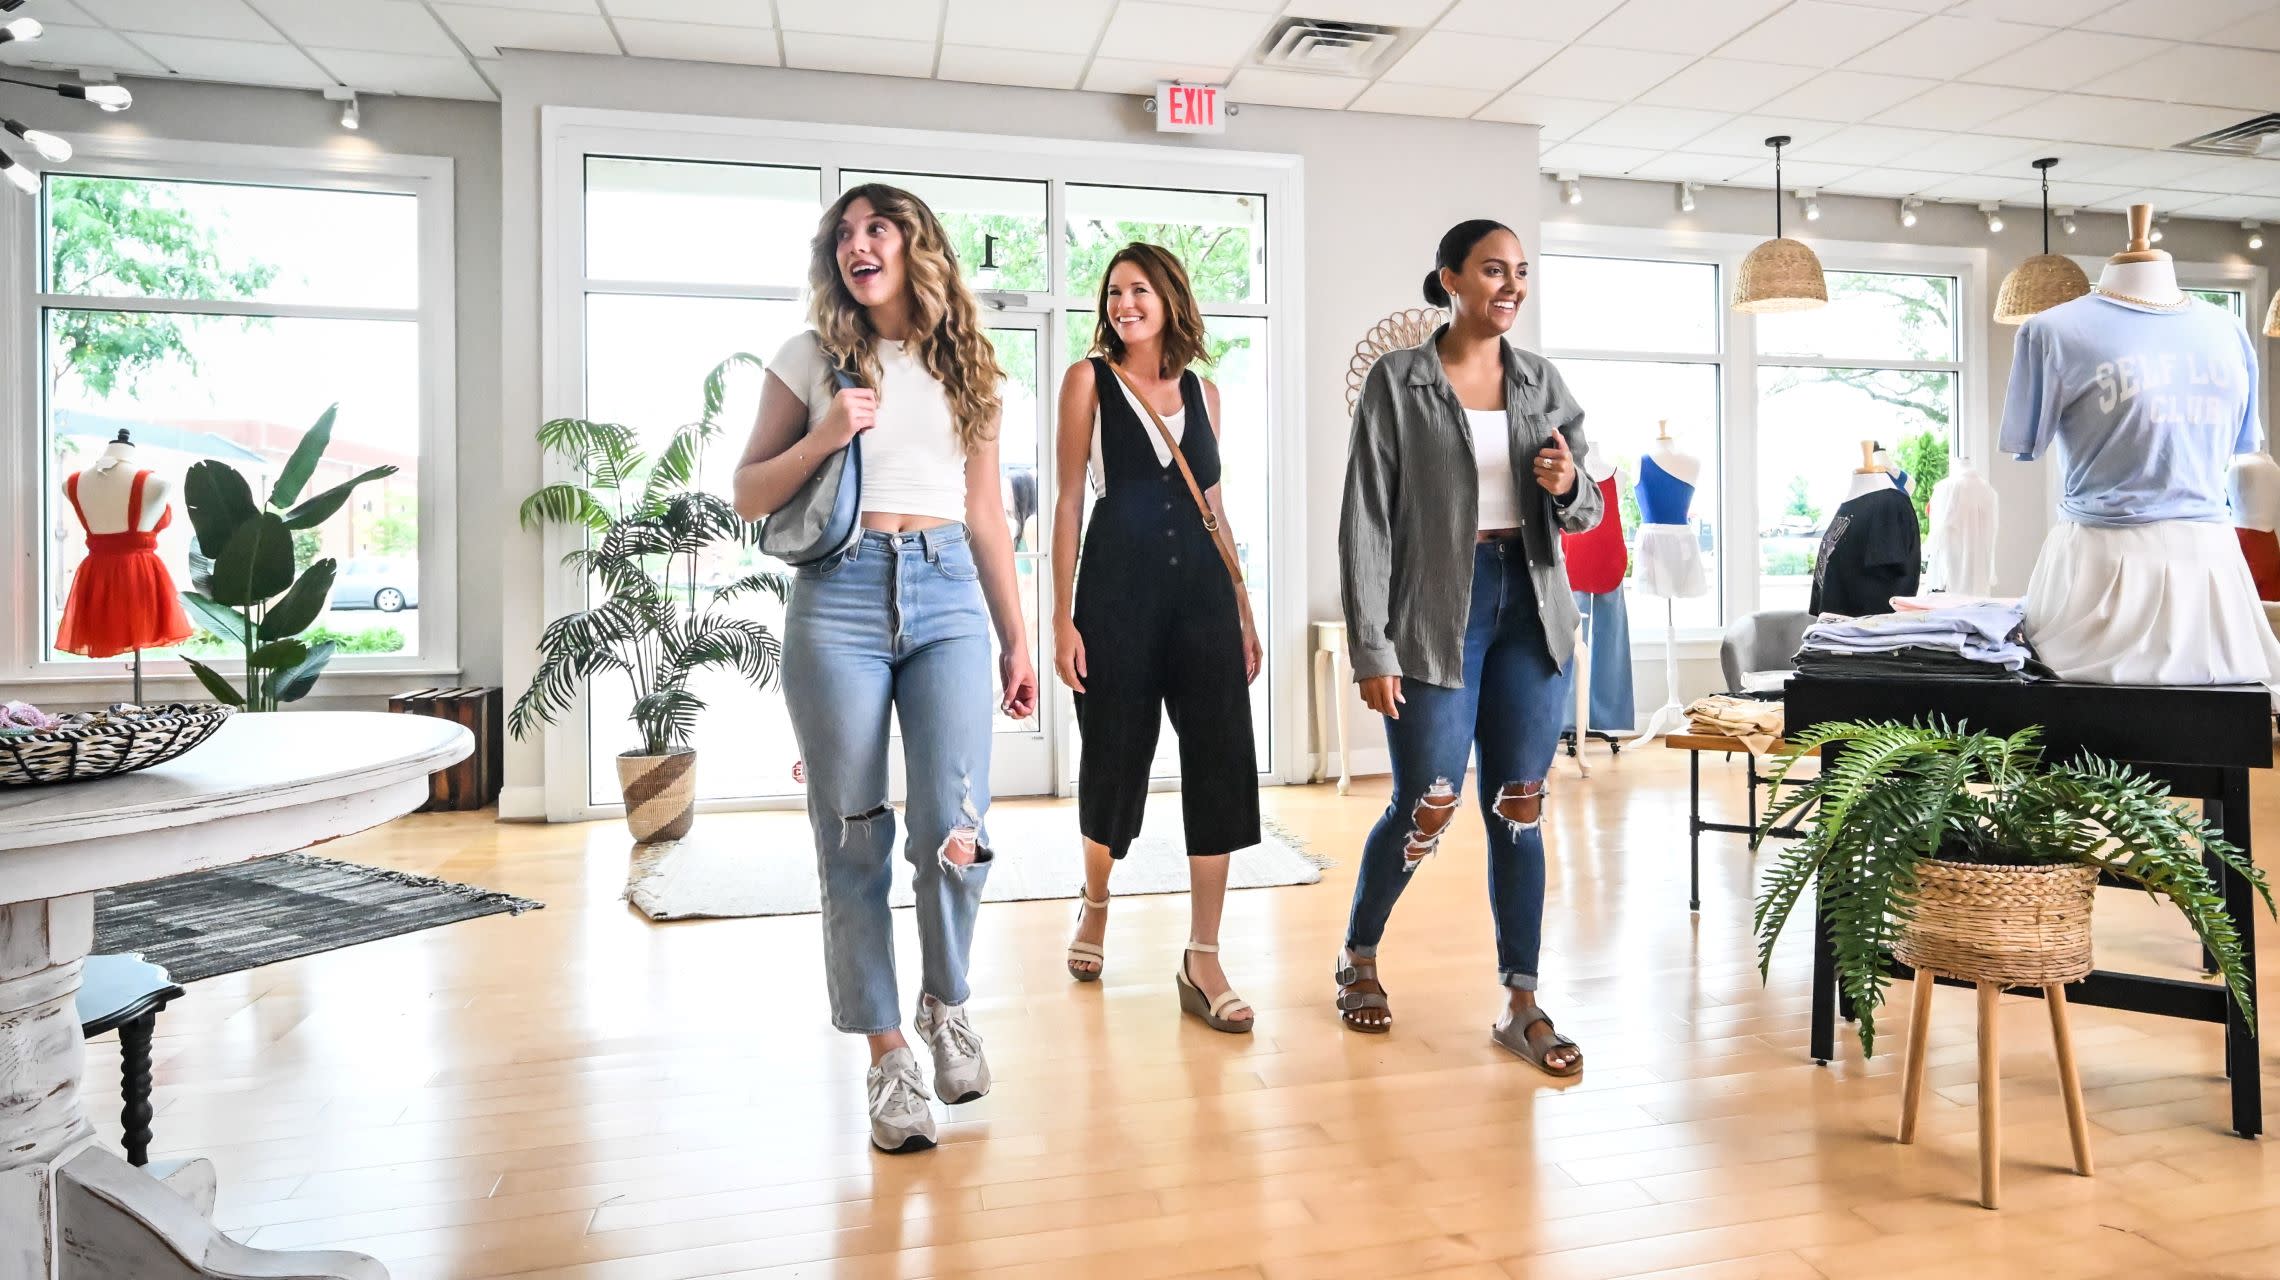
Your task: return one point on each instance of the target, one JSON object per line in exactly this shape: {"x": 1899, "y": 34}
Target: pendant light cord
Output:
{"x": 2046, "y": 210}
{"x": 1777, "y": 191}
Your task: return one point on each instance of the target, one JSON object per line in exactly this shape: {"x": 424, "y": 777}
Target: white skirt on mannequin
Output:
{"x": 1667, "y": 562}
{"x": 2169, "y": 603}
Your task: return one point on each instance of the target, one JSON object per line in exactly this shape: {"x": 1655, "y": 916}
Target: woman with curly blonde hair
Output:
{"x": 899, "y": 621}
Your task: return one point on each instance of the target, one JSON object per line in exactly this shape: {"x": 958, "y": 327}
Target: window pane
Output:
{"x": 1871, "y": 316}
{"x": 646, "y": 358}
{"x": 192, "y": 388}
{"x": 717, "y": 224}
{"x": 1218, "y": 236}
{"x": 143, "y": 238}
{"x": 1628, "y": 304}
{"x": 1806, "y": 464}
{"x": 996, "y": 225}
{"x": 1623, "y": 401}
{"x": 2233, "y": 301}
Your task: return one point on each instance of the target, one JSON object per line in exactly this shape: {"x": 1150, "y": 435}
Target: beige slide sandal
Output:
{"x": 1081, "y": 953}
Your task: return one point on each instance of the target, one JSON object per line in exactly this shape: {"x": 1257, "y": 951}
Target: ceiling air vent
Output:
{"x": 1331, "y": 48}
{"x": 2259, "y": 136}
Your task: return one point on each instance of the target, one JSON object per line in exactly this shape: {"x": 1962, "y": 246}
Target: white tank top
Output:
{"x": 1175, "y": 422}
{"x": 912, "y": 462}
{"x": 1492, "y": 452}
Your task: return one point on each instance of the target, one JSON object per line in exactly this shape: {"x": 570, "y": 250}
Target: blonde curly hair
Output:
{"x": 946, "y": 325}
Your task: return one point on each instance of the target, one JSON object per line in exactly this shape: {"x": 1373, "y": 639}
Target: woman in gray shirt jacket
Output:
{"x": 1460, "y": 479}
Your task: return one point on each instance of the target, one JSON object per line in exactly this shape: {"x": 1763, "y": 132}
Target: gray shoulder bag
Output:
{"x": 821, "y": 520}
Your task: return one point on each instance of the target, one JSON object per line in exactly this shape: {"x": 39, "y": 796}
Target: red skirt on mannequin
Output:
{"x": 122, "y": 598}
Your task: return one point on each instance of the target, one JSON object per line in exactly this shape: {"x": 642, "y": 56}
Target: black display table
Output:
{"x": 2202, "y": 742}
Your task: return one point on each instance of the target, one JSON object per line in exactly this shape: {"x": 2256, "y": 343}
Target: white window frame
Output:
{"x": 1737, "y": 359}
{"x": 569, "y": 135}
{"x": 23, "y": 650}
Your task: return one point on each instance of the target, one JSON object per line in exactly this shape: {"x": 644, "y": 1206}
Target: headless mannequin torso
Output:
{"x": 1870, "y": 476}
{"x": 2141, "y": 271}
{"x": 1681, "y": 466}
{"x": 106, "y": 486}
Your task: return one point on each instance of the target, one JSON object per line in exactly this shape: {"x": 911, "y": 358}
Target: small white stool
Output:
{"x": 1330, "y": 681}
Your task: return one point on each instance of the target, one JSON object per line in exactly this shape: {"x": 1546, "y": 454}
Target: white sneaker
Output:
{"x": 901, "y": 1122}
{"x": 961, "y": 1074}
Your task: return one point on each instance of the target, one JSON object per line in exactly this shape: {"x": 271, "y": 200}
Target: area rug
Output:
{"x": 720, "y": 870}
{"x": 208, "y": 923}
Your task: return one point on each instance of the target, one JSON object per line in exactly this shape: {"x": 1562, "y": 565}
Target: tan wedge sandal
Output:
{"x": 1212, "y": 1012}
{"x": 1083, "y": 951}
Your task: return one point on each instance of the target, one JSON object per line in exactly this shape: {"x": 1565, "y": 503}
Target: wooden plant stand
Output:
{"x": 1990, "y": 1080}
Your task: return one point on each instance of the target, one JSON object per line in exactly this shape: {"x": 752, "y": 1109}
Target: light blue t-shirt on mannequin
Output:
{"x": 2147, "y": 407}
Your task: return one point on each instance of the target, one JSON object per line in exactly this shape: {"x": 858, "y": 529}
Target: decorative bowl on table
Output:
{"x": 100, "y": 744}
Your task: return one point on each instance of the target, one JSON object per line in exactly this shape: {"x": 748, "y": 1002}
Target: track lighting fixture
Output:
{"x": 22, "y": 178}
{"x": 2155, "y": 238}
{"x": 20, "y": 29}
{"x": 351, "y": 117}
{"x": 1994, "y": 213}
{"x": 1686, "y": 192}
{"x": 2255, "y": 232}
{"x": 1812, "y": 198}
{"x": 110, "y": 97}
{"x": 52, "y": 149}
{"x": 1908, "y": 206}
{"x": 2066, "y": 221}
{"x": 1571, "y": 188}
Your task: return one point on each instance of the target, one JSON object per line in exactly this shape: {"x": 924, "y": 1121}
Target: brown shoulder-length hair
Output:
{"x": 1183, "y": 322}
{"x": 945, "y": 324}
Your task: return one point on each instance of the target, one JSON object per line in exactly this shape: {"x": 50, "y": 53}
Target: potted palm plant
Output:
{"x": 1966, "y": 854}
{"x": 645, "y": 521}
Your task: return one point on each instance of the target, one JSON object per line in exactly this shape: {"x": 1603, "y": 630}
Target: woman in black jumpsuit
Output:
{"x": 1155, "y": 625}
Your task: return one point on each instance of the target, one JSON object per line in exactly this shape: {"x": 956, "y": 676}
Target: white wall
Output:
{"x": 1379, "y": 192}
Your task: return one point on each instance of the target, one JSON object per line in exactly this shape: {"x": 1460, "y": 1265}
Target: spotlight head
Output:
{"x": 2255, "y": 232}
{"x": 20, "y": 29}
{"x": 1571, "y": 188}
{"x": 2066, "y": 221}
{"x": 351, "y": 117}
{"x": 110, "y": 97}
{"x": 21, "y": 178}
{"x": 1686, "y": 192}
{"x": 1811, "y": 197}
{"x": 52, "y": 149}
{"x": 2155, "y": 238}
{"x": 1994, "y": 214}
{"x": 1908, "y": 210}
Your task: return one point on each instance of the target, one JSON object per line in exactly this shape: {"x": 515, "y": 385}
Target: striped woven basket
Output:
{"x": 103, "y": 744}
{"x": 2014, "y": 926}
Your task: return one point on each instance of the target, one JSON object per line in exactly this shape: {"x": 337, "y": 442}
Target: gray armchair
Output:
{"x": 1759, "y": 651}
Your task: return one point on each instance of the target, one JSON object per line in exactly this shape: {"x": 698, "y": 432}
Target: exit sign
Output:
{"x": 1189, "y": 108}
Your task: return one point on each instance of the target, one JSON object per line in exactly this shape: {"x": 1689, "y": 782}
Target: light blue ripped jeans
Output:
{"x": 898, "y": 621}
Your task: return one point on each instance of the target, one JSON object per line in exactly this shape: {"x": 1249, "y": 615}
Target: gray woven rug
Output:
{"x": 208, "y": 923}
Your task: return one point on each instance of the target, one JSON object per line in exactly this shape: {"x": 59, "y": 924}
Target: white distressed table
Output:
{"x": 1331, "y": 693}
{"x": 264, "y": 784}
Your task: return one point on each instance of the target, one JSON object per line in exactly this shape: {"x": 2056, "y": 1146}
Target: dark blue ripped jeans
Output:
{"x": 1511, "y": 707}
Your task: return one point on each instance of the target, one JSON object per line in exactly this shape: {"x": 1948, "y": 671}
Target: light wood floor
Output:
{"x": 578, "y": 1092}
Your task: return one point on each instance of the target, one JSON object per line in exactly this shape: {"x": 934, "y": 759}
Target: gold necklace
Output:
{"x": 2178, "y": 305}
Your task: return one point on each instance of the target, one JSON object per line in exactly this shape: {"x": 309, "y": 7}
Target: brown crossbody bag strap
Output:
{"x": 1210, "y": 521}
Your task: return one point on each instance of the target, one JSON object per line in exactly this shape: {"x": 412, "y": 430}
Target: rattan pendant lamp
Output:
{"x": 1781, "y": 274}
{"x": 2272, "y": 318}
{"x": 2045, "y": 280}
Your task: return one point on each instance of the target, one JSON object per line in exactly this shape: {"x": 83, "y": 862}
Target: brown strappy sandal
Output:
{"x": 1353, "y": 1003}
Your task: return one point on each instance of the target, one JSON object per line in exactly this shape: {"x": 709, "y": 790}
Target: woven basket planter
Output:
{"x": 103, "y": 744}
{"x": 660, "y": 794}
{"x": 2013, "y": 926}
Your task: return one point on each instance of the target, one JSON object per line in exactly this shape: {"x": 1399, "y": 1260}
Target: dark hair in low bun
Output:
{"x": 1457, "y": 245}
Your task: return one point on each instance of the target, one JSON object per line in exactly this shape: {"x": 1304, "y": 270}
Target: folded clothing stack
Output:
{"x": 1982, "y": 640}
{"x": 1756, "y": 723}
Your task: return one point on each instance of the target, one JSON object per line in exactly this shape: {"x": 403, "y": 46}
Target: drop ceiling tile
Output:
{"x": 2249, "y": 177}
{"x": 414, "y": 74}
{"x": 1726, "y": 84}
{"x": 1294, "y": 88}
{"x": 1682, "y": 166}
{"x": 1585, "y": 72}
{"x": 2115, "y": 121}
{"x": 1956, "y": 106}
{"x": 1846, "y": 96}
{"x": 2262, "y": 32}
{"x": 1942, "y": 46}
{"x": 581, "y": 7}
{"x": 1679, "y": 26}
{"x": 1603, "y": 162}
{"x": 2047, "y": 13}
{"x": 213, "y": 19}
{"x": 1659, "y": 128}
{"x": 77, "y": 47}
{"x": 2155, "y": 169}
{"x": 1137, "y": 75}
{"x": 1010, "y": 66}
{"x": 487, "y": 30}
{"x": 1421, "y": 100}
{"x": 1745, "y": 136}
{"x": 1980, "y": 189}
{"x": 902, "y": 20}
{"x": 1869, "y": 144}
{"x": 1383, "y": 13}
{"x": 1912, "y": 6}
{"x": 717, "y": 13}
{"x": 1538, "y": 22}
{"x": 235, "y": 61}
{"x": 381, "y": 26}
{"x": 66, "y": 13}
{"x": 1962, "y": 153}
{"x": 1048, "y": 26}
{"x": 2064, "y": 59}
{"x": 1189, "y": 33}
{"x": 1559, "y": 118}
{"x": 1885, "y": 180}
{"x": 2258, "y": 208}
{"x": 2175, "y": 19}
{"x": 1468, "y": 61}
{"x": 699, "y": 42}
{"x": 862, "y": 55}
{"x": 1814, "y": 34}
{"x": 1818, "y": 174}
{"x": 2198, "y": 74}
{"x": 2075, "y": 195}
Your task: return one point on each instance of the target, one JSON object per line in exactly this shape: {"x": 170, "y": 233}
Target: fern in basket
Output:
{"x": 1893, "y": 795}
{"x": 645, "y": 522}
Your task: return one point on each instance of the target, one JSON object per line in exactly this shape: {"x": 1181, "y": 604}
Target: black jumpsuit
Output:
{"x": 1156, "y": 608}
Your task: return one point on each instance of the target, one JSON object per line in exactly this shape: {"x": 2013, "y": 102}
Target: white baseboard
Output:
{"x": 522, "y": 804}
{"x": 1366, "y": 763}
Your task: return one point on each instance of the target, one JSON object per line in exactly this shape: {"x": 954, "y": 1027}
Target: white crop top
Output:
{"x": 1492, "y": 451}
{"x": 1175, "y": 422}
{"x": 912, "y": 462}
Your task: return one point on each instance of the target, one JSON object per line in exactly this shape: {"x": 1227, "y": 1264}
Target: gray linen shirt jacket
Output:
{"x": 1412, "y": 506}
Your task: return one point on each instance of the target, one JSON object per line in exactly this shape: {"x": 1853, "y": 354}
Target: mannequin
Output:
{"x": 106, "y": 485}
{"x": 122, "y": 598}
{"x": 1596, "y": 563}
{"x": 1668, "y": 554}
{"x": 2147, "y": 394}
{"x": 1872, "y": 550}
{"x": 1872, "y": 474}
{"x": 1960, "y": 553}
{"x": 2254, "y": 487}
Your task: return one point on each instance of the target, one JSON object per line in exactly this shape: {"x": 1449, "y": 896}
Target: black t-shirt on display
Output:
{"x": 1872, "y": 552}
